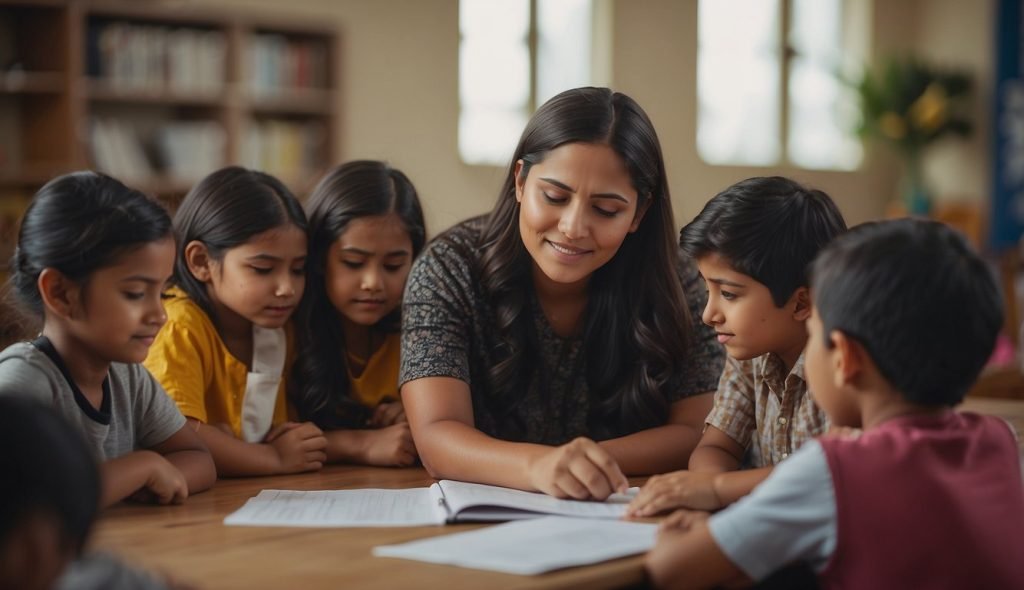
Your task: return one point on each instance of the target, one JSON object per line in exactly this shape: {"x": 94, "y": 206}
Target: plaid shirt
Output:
{"x": 765, "y": 410}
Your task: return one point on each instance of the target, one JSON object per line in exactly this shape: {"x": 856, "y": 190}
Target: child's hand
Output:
{"x": 386, "y": 414}
{"x": 165, "y": 484}
{"x": 279, "y": 430}
{"x": 843, "y": 432}
{"x": 680, "y": 489}
{"x": 683, "y": 520}
{"x": 580, "y": 469}
{"x": 300, "y": 447}
{"x": 391, "y": 446}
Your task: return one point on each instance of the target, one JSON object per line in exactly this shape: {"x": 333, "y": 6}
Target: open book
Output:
{"x": 445, "y": 501}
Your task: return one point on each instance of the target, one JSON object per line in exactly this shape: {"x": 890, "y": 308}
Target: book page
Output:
{"x": 532, "y": 546}
{"x": 341, "y": 508}
{"x": 474, "y": 501}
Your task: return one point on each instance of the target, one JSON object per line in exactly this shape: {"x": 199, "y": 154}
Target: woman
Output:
{"x": 560, "y": 319}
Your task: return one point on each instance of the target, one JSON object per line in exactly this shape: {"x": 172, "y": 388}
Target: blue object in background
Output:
{"x": 1007, "y": 215}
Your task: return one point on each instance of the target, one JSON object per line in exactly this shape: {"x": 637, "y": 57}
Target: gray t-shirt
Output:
{"x": 102, "y": 571}
{"x": 789, "y": 518}
{"x": 135, "y": 413}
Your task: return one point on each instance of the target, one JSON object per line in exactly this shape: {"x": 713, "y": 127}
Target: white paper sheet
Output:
{"x": 474, "y": 501}
{"x": 340, "y": 508}
{"x": 531, "y": 546}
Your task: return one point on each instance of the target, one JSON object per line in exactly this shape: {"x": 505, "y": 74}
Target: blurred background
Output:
{"x": 890, "y": 106}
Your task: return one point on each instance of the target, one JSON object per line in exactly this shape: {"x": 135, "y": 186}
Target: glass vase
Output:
{"x": 916, "y": 196}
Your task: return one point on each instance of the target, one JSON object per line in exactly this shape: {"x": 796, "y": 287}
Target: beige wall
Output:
{"x": 399, "y": 75}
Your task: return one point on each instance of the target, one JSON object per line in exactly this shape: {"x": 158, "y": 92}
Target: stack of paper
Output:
{"x": 531, "y": 546}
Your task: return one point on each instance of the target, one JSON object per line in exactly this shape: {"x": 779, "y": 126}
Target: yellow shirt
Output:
{"x": 195, "y": 367}
{"x": 379, "y": 379}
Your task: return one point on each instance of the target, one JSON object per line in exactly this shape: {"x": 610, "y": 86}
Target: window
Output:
{"x": 768, "y": 86}
{"x": 513, "y": 56}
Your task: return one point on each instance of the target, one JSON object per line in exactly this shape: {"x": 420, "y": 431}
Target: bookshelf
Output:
{"x": 160, "y": 94}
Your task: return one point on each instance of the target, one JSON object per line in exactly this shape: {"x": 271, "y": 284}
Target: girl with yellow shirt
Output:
{"x": 223, "y": 353}
{"x": 365, "y": 228}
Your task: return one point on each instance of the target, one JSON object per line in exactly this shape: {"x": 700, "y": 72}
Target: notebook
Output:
{"x": 444, "y": 501}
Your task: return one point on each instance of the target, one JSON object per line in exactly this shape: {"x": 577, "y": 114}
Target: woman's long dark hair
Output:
{"x": 364, "y": 188}
{"x": 637, "y": 326}
{"x": 224, "y": 210}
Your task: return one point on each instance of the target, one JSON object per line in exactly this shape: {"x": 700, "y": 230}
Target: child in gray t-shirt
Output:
{"x": 92, "y": 259}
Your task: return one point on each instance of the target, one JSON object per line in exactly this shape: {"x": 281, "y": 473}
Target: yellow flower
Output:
{"x": 930, "y": 111}
{"x": 892, "y": 126}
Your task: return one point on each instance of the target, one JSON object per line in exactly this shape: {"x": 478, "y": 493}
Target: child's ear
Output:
{"x": 801, "y": 300}
{"x": 198, "y": 260}
{"x": 61, "y": 296}
{"x": 848, "y": 358}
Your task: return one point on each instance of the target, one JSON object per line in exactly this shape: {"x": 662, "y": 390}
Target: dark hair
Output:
{"x": 226, "y": 209}
{"x": 47, "y": 468}
{"x": 637, "y": 325}
{"x": 915, "y": 295}
{"x": 362, "y": 188}
{"x": 79, "y": 223}
{"x": 769, "y": 228}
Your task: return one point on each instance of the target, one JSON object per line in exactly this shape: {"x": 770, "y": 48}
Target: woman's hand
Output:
{"x": 579, "y": 469}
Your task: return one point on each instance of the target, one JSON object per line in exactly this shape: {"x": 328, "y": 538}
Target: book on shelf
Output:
{"x": 285, "y": 149}
{"x": 443, "y": 502}
{"x": 150, "y": 58}
{"x": 184, "y": 151}
{"x": 191, "y": 149}
{"x": 279, "y": 64}
{"x": 118, "y": 151}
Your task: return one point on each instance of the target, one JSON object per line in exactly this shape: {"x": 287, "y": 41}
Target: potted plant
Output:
{"x": 911, "y": 104}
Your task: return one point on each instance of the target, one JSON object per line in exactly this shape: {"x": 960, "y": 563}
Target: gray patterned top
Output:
{"x": 448, "y": 330}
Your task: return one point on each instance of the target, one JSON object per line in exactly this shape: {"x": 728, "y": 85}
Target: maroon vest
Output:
{"x": 927, "y": 502}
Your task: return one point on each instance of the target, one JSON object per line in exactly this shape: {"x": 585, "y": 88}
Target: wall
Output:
{"x": 399, "y": 75}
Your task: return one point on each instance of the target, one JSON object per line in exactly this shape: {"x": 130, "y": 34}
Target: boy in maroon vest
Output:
{"x": 905, "y": 315}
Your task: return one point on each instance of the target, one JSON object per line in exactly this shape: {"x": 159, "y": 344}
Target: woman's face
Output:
{"x": 576, "y": 207}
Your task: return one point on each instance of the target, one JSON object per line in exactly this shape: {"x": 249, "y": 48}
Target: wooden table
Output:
{"x": 191, "y": 543}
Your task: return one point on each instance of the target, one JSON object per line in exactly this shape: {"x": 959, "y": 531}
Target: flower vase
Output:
{"x": 916, "y": 197}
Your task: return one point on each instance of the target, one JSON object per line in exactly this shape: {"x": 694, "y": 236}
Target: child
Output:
{"x": 92, "y": 259}
{"x": 49, "y": 494}
{"x": 238, "y": 276}
{"x": 753, "y": 243}
{"x": 49, "y": 498}
{"x": 365, "y": 226}
{"x": 905, "y": 315}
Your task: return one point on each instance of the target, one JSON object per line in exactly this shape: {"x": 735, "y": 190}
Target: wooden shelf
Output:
{"x": 32, "y": 83}
{"x": 161, "y": 186}
{"x": 33, "y": 175}
{"x": 100, "y": 91}
{"x": 77, "y": 103}
{"x": 295, "y": 101}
